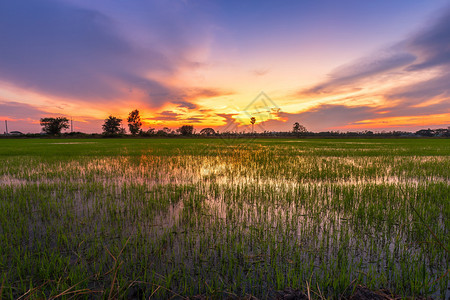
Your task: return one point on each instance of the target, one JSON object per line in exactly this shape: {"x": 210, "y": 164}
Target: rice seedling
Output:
{"x": 165, "y": 218}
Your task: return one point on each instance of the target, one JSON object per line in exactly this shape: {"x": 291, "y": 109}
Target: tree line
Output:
{"x": 112, "y": 126}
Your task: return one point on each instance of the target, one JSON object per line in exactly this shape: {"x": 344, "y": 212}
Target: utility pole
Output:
{"x": 71, "y": 124}
{"x": 6, "y": 124}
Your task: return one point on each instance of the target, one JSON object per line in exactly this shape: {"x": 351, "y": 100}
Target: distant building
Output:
{"x": 15, "y": 133}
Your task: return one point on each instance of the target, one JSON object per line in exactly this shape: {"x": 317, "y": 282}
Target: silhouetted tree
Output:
{"x": 134, "y": 122}
{"x": 112, "y": 126}
{"x": 253, "y": 121}
{"x": 298, "y": 128}
{"x": 186, "y": 130}
{"x": 207, "y": 131}
{"x": 54, "y": 125}
{"x": 149, "y": 132}
{"x": 425, "y": 132}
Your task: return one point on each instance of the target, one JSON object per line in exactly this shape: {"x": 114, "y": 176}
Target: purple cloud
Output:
{"x": 355, "y": 72}
{"x": 432, "y": 44}
{"x": 60, "y": 49}
{"x": 20, "y": 111}
{"x": 426, "y": 49}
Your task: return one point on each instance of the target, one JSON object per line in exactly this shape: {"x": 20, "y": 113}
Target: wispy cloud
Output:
{"x": 19, "y": 111}
{"x": 353, "y": 74}
{"x": 166, "y": 116}
{"x": 260, "y": 72}
{"x": 178, "y": 61}
{"x": 185, "y": 104}
{"x": 410, "y": 78}
{"x": 432, "y": 44}
{"x": 428, "y": 48}
{"x": 63, "y": 50}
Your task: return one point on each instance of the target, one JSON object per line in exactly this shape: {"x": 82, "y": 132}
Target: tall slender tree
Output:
{"x": 134, "y": 122}
{"x": 253, "y": 121}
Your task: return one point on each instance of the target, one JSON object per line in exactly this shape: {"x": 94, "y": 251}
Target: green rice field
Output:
{"x": 213, "y": 218}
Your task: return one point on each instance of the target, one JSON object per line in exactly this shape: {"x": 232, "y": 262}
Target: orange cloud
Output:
{"x": 6, "y": 118}
{"x": 403, "y": 121}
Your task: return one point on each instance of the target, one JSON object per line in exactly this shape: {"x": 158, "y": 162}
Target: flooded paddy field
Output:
{"x": 176, "y": 218}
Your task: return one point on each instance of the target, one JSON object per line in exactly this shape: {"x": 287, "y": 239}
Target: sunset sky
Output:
{"x": 327, "y": 64}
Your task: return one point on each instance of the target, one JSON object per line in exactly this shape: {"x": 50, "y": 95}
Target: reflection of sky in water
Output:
{"x": 262, "y": 198}
{"x": 152, "y": 170}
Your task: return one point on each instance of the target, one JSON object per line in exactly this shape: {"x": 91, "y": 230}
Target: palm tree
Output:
{"x": 253, "y": 120}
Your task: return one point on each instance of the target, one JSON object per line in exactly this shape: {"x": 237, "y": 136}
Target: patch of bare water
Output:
{"x": 71, "y": 143}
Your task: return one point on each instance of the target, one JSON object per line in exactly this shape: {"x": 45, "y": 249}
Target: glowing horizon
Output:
{"x": 326, "y": 65}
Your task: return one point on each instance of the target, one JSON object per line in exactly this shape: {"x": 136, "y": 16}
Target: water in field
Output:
{"x": 167, "y": 218}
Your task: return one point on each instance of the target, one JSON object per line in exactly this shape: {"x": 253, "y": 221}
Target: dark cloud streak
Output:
{"x": 62, "y": 50}
{"x": 432, "y": 44}
{"x": 429, "y": 48}
{"x": 355, "y": 72}
{"x": 20, "y": 111}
